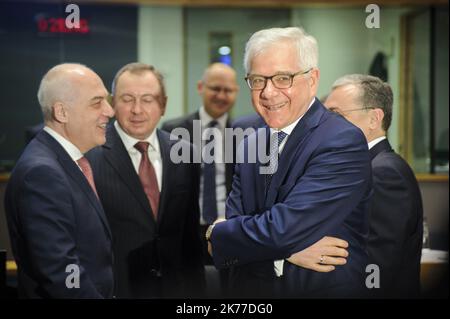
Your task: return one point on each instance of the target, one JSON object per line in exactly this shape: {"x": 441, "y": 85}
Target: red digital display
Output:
{"x": 58, "y": 25}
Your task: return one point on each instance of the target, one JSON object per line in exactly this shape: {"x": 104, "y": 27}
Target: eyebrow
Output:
{"x": 276, "y": 73}
{"x": 143, "y": 95}
{"x": 98, "y": 98}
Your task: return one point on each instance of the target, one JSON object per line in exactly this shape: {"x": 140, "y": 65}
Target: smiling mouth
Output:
{"x": 137, "y": 122}
{"x": 274, "y": 107}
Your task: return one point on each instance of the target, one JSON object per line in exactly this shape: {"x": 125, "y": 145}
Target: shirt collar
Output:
{"x": 206, "y": 118}
{"x": 130, "y": 141}
{"x": 71, "y": 149}
{"x": 376, "y": 141}
{"x": 288, "y": 129}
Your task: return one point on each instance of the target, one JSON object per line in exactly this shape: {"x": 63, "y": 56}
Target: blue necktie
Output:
{"x": 275, "y": 141}
{"x": 209, "y": 206}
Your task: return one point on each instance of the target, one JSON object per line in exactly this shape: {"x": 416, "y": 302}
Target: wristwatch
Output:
{"x": 209, "y": 232}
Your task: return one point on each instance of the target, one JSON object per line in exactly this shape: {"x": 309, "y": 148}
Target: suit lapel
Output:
{"x": 294, "y": 143}
{"x": 262, "y": 135}
{"x": 383, "y": 146}
{"x": 118, "y": 157}
{"x": 229, "y": 167}
{"x": 76, "y": 174}
{"x": 167, "y": 171}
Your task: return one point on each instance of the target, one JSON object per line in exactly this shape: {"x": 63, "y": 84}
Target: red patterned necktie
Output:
{"x": 87, "y": 171}
{"x": 148, "y": 178}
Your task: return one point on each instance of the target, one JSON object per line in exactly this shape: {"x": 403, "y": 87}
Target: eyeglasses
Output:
{"x": 342, "y": 112}
{"x": 280, "y": 81}
{"x": 218, "y": 89}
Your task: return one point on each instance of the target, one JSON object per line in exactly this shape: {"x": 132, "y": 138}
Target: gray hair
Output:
{"x": 307, "y": 48}
{"x": 56, "y": 86}
{"x": 373, "y": 93}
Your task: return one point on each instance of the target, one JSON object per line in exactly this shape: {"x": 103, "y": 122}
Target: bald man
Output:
{"x": 218, "y": 90}
{"x": 59, "y": 233}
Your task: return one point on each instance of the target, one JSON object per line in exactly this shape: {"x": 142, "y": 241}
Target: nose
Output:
{"x": 136, "y": 108}
{"x": 108, "y": 110}
{"x": 270, "y": 90}
{"x": 222, "y": 94}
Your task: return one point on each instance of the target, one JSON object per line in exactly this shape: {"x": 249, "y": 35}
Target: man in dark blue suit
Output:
{"x": 396, "y": 217}
{"x": 150, "y": 201}
{"x": 319, "y": 181}
{"x": 253, "y": 121}
{"x": 59, "y": 233}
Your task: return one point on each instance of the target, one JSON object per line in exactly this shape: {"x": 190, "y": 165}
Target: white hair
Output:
{"x": 57, "y": 86}
{"x": 307, "y": 49}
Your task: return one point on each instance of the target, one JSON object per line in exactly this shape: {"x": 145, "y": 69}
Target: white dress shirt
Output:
{"x": 278, "y": 264}
{"x": 154, "y": 151}
{"x": 73, "y": 151}
{"x": 221, "y": 191}
{"x": 376, "y": 141}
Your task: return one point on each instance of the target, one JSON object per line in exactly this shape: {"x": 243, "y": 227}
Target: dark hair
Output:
{"x": 374, "y": 93}
{"x": 139, "y": 68}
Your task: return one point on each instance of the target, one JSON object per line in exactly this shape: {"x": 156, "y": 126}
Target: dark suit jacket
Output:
{"x": 253, "y": 120}
{"x": 144, "y": 248}
{"x": 322, "y": 188}
{"x": 32, "y": 131}
{"x": 187, "y": 123}
{"x": 396, "y": 224}
{"x": 55, "y": 219}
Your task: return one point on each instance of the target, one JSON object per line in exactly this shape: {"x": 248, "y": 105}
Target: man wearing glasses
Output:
{"x": 396, "y": 218}
{"x": 320, "y": 186}
{"x": 218, "y": 90}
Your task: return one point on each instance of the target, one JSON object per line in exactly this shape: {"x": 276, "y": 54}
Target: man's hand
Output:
{"x": 218, "y": 220}
{"x": 322, "y": 256}
{"x": 209, "y": 248}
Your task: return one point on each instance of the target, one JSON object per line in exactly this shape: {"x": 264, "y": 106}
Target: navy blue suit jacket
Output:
{"x": 396, "y": 224}
{"x": 322, "y": 188}
{"x": 55, "y": 220}
{"x": 249, "y": 121}
{"x": 254, "y": 121}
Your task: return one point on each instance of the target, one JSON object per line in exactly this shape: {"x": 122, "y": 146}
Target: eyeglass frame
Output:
{"x": 291, "y": 76}
{"x": 337, "y": 111}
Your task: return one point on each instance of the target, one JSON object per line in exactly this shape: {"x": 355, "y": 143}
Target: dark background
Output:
{"x": 26, "y": 54}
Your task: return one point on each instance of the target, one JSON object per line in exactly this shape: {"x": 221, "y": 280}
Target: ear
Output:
{"x": 376, "y": 118}
{"x": 314, "y": 78}
{"x": 60, "y": 113}
{"x": 200, "y": 87}
{"x": 163, "y": 105}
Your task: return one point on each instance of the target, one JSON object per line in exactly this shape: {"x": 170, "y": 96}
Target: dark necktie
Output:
{"x": 87, "y": 171}
{"x": 148, "y": 178}
{"x": 275, "y": 141}
{"x": 209, "y": 205}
